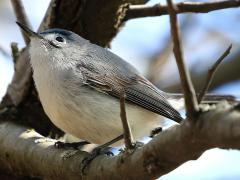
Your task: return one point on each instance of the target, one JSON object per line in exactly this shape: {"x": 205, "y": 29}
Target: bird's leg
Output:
{"x": 74, "y": 145}
{"x": 155, "y": 131}
{"x": 103, "y": 149}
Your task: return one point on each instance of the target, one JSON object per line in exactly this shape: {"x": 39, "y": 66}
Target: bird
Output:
{"x": 79, "y": 85}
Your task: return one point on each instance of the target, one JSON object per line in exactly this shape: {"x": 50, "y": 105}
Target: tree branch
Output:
{"x": 218, "y": 127}
{"x": 140, "y": 11}
{"x": 187, "y": 86}
{"x": 127, "y": 134}
{"x": 211, "y": 73}
{"x": 96, "y": 20}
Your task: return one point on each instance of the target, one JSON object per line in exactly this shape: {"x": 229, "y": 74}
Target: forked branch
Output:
{"x": 211, "y": 73}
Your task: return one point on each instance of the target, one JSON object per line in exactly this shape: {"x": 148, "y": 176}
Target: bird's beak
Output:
{"x": 28, "y": 31}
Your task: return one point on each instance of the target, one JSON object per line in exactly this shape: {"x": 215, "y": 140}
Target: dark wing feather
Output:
{"x": 150, "y": 98}
{"x": 113, "y": 76}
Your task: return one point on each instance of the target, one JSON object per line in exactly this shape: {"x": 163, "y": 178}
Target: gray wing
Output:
{"x": 112, "y": 75}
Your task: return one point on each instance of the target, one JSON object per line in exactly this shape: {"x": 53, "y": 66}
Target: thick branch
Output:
{"x": 219, "y": 127}
{"x": 139, "y": 11}
{"x": 187, "y": 86}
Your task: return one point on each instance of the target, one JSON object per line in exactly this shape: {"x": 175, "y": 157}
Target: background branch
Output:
{"x": 227, "y": 72}
{"x": 139, "y": 11}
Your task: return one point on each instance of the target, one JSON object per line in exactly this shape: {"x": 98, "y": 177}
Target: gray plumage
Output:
{"x": 108, "y": 73}
{"x": 79, "y": 85}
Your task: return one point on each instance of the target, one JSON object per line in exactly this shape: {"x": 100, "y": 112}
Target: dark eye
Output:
{"x": 59, "y": 39}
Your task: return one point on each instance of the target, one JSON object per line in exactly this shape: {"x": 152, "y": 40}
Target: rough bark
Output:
{"x": 26, "y": 152}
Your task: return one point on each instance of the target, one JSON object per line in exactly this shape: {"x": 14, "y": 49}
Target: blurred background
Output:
{"x": 146, "y": 44}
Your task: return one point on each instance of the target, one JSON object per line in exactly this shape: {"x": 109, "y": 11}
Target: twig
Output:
{"x": 127, "y": 134}
{"x": 15, "y": 51}
{"x": 21, "y": 16}
{"x": 187, "y": 86}
{"x": 139, "y": 11}
{"x": 211, "y": 73}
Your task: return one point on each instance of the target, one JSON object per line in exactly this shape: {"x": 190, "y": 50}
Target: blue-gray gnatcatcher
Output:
{"x": 79, "y": 84}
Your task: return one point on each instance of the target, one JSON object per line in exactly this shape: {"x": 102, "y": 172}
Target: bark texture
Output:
{"x": 24, "y": 151}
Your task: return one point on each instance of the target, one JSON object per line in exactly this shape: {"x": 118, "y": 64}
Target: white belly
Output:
{"x": 95, "y": 117}
{"x": 91, "y": 115}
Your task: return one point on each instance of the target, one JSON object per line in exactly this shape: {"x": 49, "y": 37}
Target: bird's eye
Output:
{"x": 59, "y": 39}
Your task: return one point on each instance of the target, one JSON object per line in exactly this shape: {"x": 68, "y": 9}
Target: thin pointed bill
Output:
{"x": 28, "y": 31}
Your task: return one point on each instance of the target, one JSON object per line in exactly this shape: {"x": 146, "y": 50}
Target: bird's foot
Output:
{"x": 136, "y": 145}
{"x": 74, "y": 145}
{"x": 96, "y": 152}
{"x": 155, "y": 132}
{"x": 100, "y": 150}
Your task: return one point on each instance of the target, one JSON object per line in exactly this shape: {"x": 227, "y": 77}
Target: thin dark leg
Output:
{"x": 155, "y": 131}
{"x": 111, "y": 142}
{"x": 102, "y": 149}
